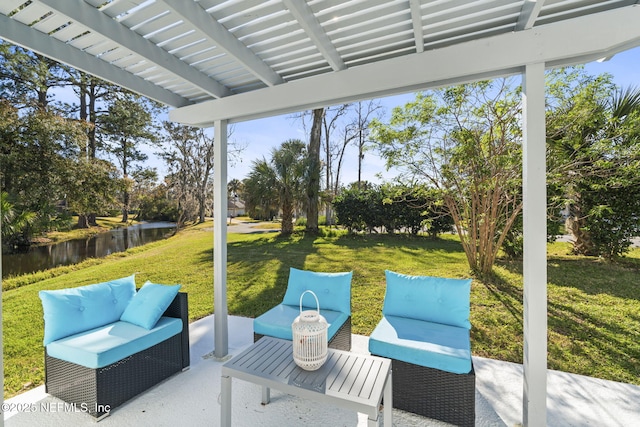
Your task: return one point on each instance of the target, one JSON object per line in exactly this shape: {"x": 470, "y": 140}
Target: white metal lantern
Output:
{"x": 310, "y": 337}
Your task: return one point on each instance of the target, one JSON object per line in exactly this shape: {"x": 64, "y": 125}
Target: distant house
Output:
{"x": 235, "y": 208}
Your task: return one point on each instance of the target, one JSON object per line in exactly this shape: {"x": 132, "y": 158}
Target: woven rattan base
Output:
{"x": 340, "y": 341}
{"x": 435, "y": 394}
{"x": 98, "y": 391}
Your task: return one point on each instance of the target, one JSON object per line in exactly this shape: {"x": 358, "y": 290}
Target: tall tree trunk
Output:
{"x": 125, "y": 193}
{"x": 201, "y": 209}
{"x": 286, "y": 226}
{"x": 360, "y": 145}
{"x": 82, "y": 88}
{"x": 125, "y": 206}
{"x": 576, "y": 223}
{"x": 82, "y": 221}
{"x": 328, "y": 175}
{"x": 92, "y": 219}
{"x": 92, "y": 92}
{"x": 313, "y": 185}
{"x": 87, "y": 94}
{"x": 91, "y": 134}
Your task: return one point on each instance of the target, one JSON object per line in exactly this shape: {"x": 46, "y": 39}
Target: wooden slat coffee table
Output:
{"x": 349, "y": 380}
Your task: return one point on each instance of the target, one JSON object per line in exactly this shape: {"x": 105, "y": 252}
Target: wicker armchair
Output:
{"x": 334, "y": 295}
{"x": 425, "y": 331}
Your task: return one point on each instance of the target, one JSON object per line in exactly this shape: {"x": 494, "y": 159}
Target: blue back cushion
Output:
{"x": 332, "y": 289}
{"x": 151, "y": 301}
{"x": 73, "y": 310}
{"x": 433, "y": 299}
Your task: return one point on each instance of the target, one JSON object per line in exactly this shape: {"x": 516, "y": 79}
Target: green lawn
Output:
{"x": 594, "y": 307}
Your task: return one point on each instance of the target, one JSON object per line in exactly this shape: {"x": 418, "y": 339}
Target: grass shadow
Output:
{"x": 404, "y": 242}
{"x": 258, "y": 267}
{"x": 497, "y": 317}
{"x": 590, "y": 275}
{"x": 593, "y": 322}
{"x": 258, "y": 270}
{"x": 507, "y": 293}
{"x": 582, "y": 340}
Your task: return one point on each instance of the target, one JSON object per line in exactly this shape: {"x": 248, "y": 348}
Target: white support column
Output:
{"x": 534, "y": 399}
{"x": 221, "y": 329}
{"x": 1, "y": 331}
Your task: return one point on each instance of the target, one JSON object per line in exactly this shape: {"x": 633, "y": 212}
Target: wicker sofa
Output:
{"x": 334, "y": 296}
{"x": 425, "y": 331}
{"x": 106, "y": 343}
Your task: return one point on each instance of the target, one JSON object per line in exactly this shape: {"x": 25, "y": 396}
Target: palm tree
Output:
{"x": 289, "y": 163}
{"x": 280, "y": 180}
{"x": 260, "y": 194}
{"x": 13, "y": 223}
{"x": 599, "y": 155}
{"x": 234, "y": 188}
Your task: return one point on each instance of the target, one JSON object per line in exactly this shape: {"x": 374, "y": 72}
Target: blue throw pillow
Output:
{"x": 433, "y": 299}
{"x": 149, "y": 303}
{"x": 332, "y": 289}
{"x": 73, "y": 310}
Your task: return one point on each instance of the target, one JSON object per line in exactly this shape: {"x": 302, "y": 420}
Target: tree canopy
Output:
{"x": 465, "y": 142}
{"x": 593, "y": 135}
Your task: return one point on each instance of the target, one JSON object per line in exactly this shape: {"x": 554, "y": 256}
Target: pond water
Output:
{"x": 73, "y": 251}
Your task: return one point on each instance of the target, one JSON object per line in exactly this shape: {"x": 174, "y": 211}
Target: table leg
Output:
{"x": 388, "y": 401}
{"x": 266, "y": 395}
{"x": 374, "y": 422}
{"x": 225, "y": 402}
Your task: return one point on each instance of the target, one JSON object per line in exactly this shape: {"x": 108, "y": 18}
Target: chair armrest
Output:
{"x": 179, "y": 308}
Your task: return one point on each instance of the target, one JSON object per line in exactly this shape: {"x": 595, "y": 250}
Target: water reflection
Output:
{"x": 74, "y": 251}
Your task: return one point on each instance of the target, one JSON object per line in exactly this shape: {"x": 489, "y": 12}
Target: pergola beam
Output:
{"x": 223, "y": 39}
{"x": 98, "y": 22}
{"x": 309, "y": 23}
{"x": 593, "y": 37}
{"x": 28, "y": 38}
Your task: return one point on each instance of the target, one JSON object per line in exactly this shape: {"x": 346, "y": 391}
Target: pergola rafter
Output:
{"x": 90, "y": 17}
{"x": 21, "y": 35}
{"x": 491, "y": 57}
{"x": 307, "y": 20}
{"x": 416, "y": 18}
{"x": 530, "y": 12}
{"x": 223, "y": 39}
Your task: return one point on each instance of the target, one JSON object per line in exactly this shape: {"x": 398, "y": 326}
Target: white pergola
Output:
{"x": 223, "y": 61}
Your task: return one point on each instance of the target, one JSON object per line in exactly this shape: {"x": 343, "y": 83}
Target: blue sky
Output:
{"x": 260, "y": 136}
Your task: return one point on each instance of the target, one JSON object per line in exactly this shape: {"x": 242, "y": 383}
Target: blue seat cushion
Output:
{"x": 422, "y": 343}
{"x": 108, "y": 344}
{"x": 277, "y": 321}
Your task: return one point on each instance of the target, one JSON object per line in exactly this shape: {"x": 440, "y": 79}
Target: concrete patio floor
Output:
{"x": 192, "y": 398}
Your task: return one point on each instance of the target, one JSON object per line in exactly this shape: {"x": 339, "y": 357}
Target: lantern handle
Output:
{"x": 314, "y": 295}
